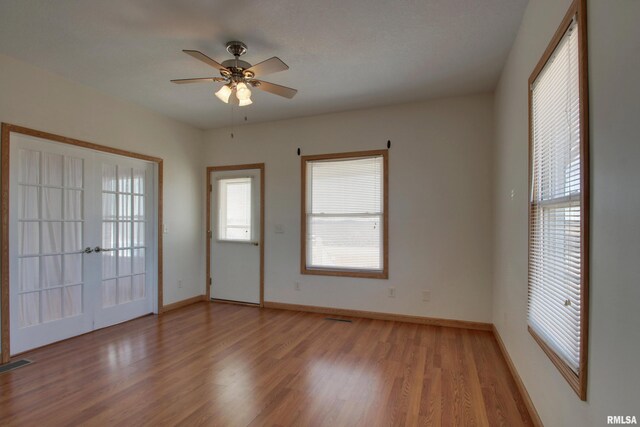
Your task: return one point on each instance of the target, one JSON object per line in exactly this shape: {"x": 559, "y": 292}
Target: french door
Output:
{"x": 81, "y": 241}
{"x": 124, "y": 255}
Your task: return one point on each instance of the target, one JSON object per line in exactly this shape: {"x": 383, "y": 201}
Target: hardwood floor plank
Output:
{"x": 412, "y": 409}
{"x": 220, "y": 364}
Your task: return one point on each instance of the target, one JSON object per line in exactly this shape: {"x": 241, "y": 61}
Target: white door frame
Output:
{"x": 211, "y": 169}
{"x": 7, "y": 130}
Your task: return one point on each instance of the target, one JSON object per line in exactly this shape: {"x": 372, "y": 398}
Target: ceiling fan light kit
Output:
{"x": 238, "y": 75}
{"x": 224, "y": 93}
{"x": 242, "y": 91}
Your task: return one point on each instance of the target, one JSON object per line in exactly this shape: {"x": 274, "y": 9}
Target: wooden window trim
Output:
{"x": 384, "y": 274}
{"x": 578, "y": 382}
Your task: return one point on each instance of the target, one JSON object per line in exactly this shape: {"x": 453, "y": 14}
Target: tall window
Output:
{"x": 344, "y": 214}
{"x": 557, "y": 314}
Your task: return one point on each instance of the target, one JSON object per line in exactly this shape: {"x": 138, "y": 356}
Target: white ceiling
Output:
{"x": 343, "y": 54}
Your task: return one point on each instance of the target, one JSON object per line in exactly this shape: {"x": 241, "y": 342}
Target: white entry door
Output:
{"x": 60, "y": 220}
{"x": 235, "y": 252}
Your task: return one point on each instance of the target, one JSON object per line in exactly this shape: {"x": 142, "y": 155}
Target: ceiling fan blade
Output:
{"x": 204, "y": 58}
{"x": 271, "y": 65}
{"x": 287, "y": 92}
{"x": 200, "y": 80}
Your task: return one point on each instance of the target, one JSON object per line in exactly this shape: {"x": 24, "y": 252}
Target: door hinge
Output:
{"x": 210, "y": 187}
{"x": 209, "y": 233}
{"x": 209, "y": 281}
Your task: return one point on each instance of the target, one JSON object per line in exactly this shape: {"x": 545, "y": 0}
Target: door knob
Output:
{"x": 88, "y": 250}
{"x": 255, "y": 243}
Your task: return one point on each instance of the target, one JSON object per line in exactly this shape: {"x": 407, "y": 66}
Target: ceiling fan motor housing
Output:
{"x": 237, "y": 69}
{"x": 236, "y": 66}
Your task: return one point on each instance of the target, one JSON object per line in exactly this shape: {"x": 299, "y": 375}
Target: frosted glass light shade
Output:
{"x": 224, "y": 93}
{"x": 243, "y": 102}
{"x": 242, "y": 92}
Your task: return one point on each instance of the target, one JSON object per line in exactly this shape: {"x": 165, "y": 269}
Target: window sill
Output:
{"x": 346, "y": 273}
{"x": 246, "y": 242}
{"x": 577, "y": 382}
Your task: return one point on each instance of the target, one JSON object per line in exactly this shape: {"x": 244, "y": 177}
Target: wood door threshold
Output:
{"x": 228, "y": 301}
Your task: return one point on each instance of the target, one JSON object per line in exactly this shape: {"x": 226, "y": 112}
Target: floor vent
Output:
{"x": 14, "y": 365}
{"x": 333, "y": 319}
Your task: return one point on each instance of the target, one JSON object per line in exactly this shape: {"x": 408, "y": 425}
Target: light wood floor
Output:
{"x": 221, "y": 364}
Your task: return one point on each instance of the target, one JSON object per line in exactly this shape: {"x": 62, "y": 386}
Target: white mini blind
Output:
{"x": 234, "y": 204}
{"x": 344, "y": 213}
{"x": 555, "y": 240}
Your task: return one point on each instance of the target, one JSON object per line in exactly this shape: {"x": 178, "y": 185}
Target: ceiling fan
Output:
{"x": 238, "y": 75}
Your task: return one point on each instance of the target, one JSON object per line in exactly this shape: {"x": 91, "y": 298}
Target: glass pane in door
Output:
{"x": 50, "y": 237}
{"x": 123, "y": 235}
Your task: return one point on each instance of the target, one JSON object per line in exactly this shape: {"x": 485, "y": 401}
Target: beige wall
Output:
{"x": 614, "y": 67}
{"x": 440, "y": 203}
{"x": 41, "y": 100}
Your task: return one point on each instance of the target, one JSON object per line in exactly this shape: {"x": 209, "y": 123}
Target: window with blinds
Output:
{"x": 345, "y": 214}
{"x": 556, "y": 219}
{"x": 234, "y": 204}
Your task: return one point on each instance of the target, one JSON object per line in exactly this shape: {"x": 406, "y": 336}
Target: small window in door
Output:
{"x": 234, "y": 209}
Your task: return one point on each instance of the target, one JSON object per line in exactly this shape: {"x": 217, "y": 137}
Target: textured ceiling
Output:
{"x": 343, "y": 54}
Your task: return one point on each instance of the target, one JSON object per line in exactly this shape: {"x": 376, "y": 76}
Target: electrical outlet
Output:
{"x": 392, "y": 292}
{"x": 426, "y": 295}
{"x": 165, "y": 228}
{"x": 297, "y": 286}
{"x": 179, "y": 283}
{"x": 513, "y": 193}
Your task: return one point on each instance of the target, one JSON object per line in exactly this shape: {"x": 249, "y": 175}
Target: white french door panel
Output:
{"x": 50, "y": 290}
{"x": 235, "y": 219}
{"x": 126, "y": 250}
{"x": 67, "y": 204}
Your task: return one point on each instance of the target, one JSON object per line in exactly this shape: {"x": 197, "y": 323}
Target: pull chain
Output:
{"x": 232, "y": 123}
